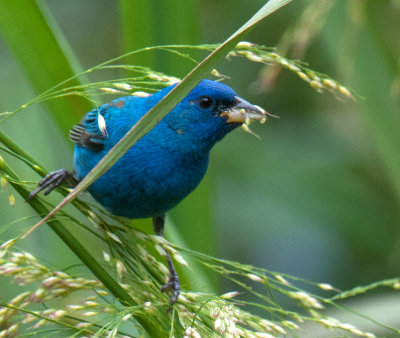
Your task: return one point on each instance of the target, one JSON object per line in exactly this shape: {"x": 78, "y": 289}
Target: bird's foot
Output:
{"x": 53, "y": 180}
{"x": 173, "y": 285}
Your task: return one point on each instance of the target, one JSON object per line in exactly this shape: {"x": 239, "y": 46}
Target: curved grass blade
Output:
{"x": 95, "y": 267}
{"x": 41, "y": 49}
{"x": 149, "y": 120}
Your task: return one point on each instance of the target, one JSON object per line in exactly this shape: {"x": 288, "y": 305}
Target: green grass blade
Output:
{"x": 25, "y": 29}
{"x": 148, "y": 121}
{"x": 61, "y": 39}
{"x": 73, "y": 243}
{"x": 380, "y": 112}
{"x": 167, "y": 28}
{"x": 196, "y": 210}
{"x": 135, "y": 17}
{"x": 141, "y": 28}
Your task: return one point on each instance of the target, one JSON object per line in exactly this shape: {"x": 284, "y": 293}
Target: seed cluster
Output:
{"x": 317, "y": 81}
{"x": 48, "y": 284}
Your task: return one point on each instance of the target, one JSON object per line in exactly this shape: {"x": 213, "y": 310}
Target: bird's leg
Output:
{"x": 173, "y": 283}
{"x": 53, "y": 180}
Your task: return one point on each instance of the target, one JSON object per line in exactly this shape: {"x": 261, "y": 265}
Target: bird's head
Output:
{"x": 209, "y": 112}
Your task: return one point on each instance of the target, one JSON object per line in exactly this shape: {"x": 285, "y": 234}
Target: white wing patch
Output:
{"x": 102, "y": 125}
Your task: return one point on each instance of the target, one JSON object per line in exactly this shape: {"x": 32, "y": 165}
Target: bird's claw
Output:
{"x": 50, "y": 182}
{"x": 175, "y": 286}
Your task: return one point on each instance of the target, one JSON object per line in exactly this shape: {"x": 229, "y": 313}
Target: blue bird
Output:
{"x": 165, "y": 165}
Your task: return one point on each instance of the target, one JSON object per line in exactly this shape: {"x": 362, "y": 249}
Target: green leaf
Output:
{"x": 62, "y": 231}
{"x": 141, "y": 28}
{"x": 380, "y": 112}
{"x": 137, "y": 30}
{"x": 196, "y": 210}
{"x": 43, "y": 53}
{"x": 149, "y": 120}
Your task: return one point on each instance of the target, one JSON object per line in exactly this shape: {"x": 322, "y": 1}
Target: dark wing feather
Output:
{"x": 88, "y": 134}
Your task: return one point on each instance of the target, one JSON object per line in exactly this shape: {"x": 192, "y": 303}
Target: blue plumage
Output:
{"x": 165, "y": 165}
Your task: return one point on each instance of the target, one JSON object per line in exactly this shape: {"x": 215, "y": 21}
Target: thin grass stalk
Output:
{"x": 60, "y": 229}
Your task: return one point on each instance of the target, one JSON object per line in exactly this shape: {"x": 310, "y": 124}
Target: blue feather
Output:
{"x": 166, "y": 164}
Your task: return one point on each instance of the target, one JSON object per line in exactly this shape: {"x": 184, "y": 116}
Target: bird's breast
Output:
{"x": 147, "y": 181}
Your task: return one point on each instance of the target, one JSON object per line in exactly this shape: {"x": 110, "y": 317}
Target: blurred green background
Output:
{"x": 317, "y": 197}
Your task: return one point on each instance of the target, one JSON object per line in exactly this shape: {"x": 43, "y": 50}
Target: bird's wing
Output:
{"x": 91, "y": 132}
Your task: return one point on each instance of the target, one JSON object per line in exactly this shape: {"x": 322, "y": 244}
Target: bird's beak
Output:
{"x": 243, "y": 112}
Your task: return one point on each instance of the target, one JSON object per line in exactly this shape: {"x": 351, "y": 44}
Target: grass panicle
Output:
{"x": 140, "y": 273}
{"x": 132, "y": 302}
{"x": 144, "y": 81}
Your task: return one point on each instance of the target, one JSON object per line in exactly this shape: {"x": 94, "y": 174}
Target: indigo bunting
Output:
{"x": 165, "y": 165}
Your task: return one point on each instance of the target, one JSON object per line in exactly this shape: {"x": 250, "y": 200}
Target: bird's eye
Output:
{"x": 205, "y": 102}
